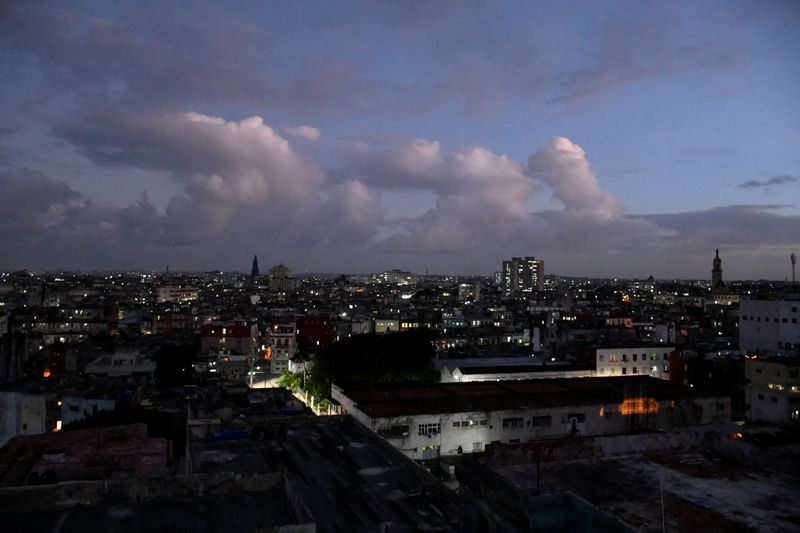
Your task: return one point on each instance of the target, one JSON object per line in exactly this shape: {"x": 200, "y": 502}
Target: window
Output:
{"x": 513, "y": 423}
{"x": 624, "y": 370}
{"x": 635, "y": 370}
{"x": 482, "y": 422}
{"x": 600, "y": 358}
{"x": 635, "y": 356}
{"x": 456, "y": 424}
{"x": 760, "y": 396}
{"x": 612, "y": 358}
{"x": 542, "y": 421}
{"x": 429, "y": 429}
{"x": 624, "y": 357}
{"x": 477, "y": 446}
{"x": 773, "y": 399}
{"x": 666, "y": 356}
{"x": 580, "y": 418}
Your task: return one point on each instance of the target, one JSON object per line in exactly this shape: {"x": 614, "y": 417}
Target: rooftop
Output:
{"x": 700, "y": 492}
{"x": 379, "y": 400}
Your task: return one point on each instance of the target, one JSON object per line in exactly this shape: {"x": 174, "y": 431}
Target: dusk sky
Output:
{"x": 607, "y": 138}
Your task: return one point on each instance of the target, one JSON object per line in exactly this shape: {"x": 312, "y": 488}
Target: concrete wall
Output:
{"x": 21, "y": 414}
{"x": 75, "y": 408}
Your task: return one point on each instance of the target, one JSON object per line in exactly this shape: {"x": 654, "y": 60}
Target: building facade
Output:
{"x": 428, "y": 421}
{"x": 773, "y": 390}
{"x": 770, "y": 326}
{"x": 650, "y": 361}
{"x": 522, "y": 275}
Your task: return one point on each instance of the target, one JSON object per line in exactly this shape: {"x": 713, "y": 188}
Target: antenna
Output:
{"x": 794, "y": 260}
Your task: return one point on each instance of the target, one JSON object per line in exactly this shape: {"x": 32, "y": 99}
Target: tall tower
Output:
{"x": 254, "y": 272}
{"x": 716, "y": 274}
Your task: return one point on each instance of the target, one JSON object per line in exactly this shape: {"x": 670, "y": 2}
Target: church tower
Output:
{"x": 716, "y": 274}
{"x": 254, "y": 271}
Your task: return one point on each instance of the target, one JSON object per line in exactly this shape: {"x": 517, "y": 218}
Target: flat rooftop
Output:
{"x": 700, "y": 492}
{"x": 417, "y": 398}
{"x": 522, "y": 369}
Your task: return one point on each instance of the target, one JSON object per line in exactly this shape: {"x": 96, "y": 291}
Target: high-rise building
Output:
{"x": 716, "y": 274}
{"x": 522, "y": 275}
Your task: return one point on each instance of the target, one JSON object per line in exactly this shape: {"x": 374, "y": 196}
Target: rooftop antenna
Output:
{"x": 794, "y": 260}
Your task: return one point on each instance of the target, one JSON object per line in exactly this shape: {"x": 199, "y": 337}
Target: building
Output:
{"x": 281, "y": 346}
{"x": 522, "y": 275}
{"x": 469, "y": 292}
{"x": 254, "y": 269}
{"x": 21, "y": 414}
{"x": 627, "y": 360}
{"x": 77, "y": 408}
{"x": 427, "y": 421}
{"x": 177, "y": 294}
{"x": 773, "y": 389}
{"x": 770, "y": 326}
{"x": 315, "y": 330}
{"x": 125, "y": 364}
{"x": 281, "y": 280}
{"x": 491, "y": 371}
{"x": 716, "y": 274}
{"x": 398, "y": 277}
{"x": 236, "y": 336}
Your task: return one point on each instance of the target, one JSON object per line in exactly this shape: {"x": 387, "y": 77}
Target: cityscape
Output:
{"x": 394, "y": 267}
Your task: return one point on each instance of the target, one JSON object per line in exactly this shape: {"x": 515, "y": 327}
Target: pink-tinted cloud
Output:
{"x": 563, "y": 166}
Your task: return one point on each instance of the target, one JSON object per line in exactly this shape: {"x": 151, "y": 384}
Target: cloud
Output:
{"x": 479, "y": 194}
{"x": 563, "y": 166}
{"x": 31, "y": 202}
{"x": 224, "y": 166}
{"x": 308, "y": 133}
{"x": 173, "y": 58}
{"x": 760, "y": 184}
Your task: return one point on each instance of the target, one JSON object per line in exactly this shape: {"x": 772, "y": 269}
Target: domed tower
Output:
{"x": 716, "y": 274}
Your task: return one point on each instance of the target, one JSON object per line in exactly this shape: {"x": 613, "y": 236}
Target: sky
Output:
{"x": 609, "y": 139}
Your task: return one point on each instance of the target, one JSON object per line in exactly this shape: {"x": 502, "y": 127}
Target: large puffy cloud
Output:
{"x": 480, "y": 195}
{"x": 224, "y": 166}
{"x": 228, "y": 168}
{"x": 562, "y": 164}
{"x": 476, "y": 173}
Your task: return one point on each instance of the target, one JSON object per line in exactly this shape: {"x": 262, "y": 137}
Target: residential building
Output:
{"x": 773, "y": 389}
{"x": 770, "y": 326}
{"x": 631, "y": 360}
{"x": 281, "y": 346}
{"x": 522, "y": 275}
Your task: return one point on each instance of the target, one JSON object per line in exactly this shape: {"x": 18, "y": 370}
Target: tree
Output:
{"x": 405, "y": 356}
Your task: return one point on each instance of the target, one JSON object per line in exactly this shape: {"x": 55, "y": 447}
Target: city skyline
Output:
{"x": 609, "y": 139}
